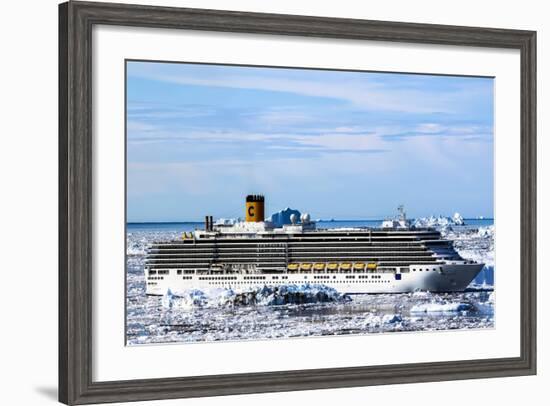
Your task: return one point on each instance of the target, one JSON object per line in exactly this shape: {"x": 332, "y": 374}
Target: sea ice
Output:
{"x": 440, "y": 222}
{"x": 305, "y": 310}
{"x": 264, "y": 296}
{"x": 441, "y": 307}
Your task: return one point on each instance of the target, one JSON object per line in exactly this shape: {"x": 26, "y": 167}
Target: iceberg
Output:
{"x": 377, "y": 321}
{"x": 442, "y": 222}
{"x": 487, "y": 231}
{"x": 184, "y": 300}
{"x": 262, "y": 296}
{"x": 458, "y": 219}
{"x": 486, "y": 303}
{"x": 226, "y": 222}
{"x": 432, "y": 221}
{"x": 168, "y": 300}
{"x": 282, "y": 217}
{"x": 392, "y": 318}
{"x": 441, "y": 308}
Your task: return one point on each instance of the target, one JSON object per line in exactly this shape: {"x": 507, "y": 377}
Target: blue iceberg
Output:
{"x": 282, "y": 217}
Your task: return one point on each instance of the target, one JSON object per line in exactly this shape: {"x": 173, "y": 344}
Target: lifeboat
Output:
{"x": 319, "y": 266}
{"x": 332, "y": 266}
{"x": 371, "y": 265}
{"x": 292, "y": 267}
{"x": 359, "y": 266}
{"x": 346, "y": 266}
{"x": 305, "y": 266}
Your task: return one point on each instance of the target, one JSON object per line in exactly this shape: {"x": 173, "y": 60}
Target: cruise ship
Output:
{"x": 245, "y": 255}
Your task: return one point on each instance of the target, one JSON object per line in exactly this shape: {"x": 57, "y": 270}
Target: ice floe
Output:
{"x": 440, "y": 222}
{"x": 262, "y": 296}
{"x": 441, "y": 307}
{"x": 486, "y": 231}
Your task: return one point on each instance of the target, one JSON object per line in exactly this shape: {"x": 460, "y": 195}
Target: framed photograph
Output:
{"x": 259, "y": 202}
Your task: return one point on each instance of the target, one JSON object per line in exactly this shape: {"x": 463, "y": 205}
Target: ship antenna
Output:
{"x": 402, "y": 214}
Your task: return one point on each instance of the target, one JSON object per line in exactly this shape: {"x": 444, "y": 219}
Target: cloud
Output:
{"x": 470, "y": 132}
{"x": 270, "y": 145}
{"x": 342, "y": 142}
{"x": 164, "y": 111}
{"x": 139, "y": 127}
{"x": 195, "y": 145}
{"x": 364, "y": 93}
{"x": 280, "y": 116}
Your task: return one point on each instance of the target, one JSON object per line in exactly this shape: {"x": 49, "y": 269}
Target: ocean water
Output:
{"x": 303, "y": 311}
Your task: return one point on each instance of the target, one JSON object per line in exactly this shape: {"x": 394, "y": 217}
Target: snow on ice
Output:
{"x": 264, "y": 296}
{"x": 441, "y": 222}
{"x": 306, "y": 310}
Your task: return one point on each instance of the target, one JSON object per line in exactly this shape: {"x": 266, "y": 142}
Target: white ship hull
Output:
{"x": 441, "y": 278}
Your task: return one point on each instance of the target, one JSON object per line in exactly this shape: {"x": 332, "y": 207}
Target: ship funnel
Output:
{"x": 254, "y": 208}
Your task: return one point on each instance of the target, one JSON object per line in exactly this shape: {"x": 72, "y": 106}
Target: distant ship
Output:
{"x": 245, "y": 255}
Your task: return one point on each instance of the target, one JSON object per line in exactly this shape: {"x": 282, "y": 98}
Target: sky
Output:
{"x": 335, "y": 144}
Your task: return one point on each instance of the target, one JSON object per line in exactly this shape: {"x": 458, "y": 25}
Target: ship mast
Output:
{"x": 402, "y": 214}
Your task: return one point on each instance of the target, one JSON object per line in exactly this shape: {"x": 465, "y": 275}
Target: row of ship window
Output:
{"x": 347, "y": 281}
{"x": 427, "y": 269}
{"x": 297, "y": 242}
{"x": 277, "y": 264}
{"x": 232, "y": 278}
{"x": 422, "y": 256}
{"x": 374, "y": 243}
{"x": 239, "y": 283}
{"x": 363, "y": 276}
{"x": 301, "y": 271}
{"x": 295, "y": 249}
{"x": 179, "y": 272}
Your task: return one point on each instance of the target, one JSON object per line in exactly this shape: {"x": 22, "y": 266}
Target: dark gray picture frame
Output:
{"x": 76, "y": 20}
